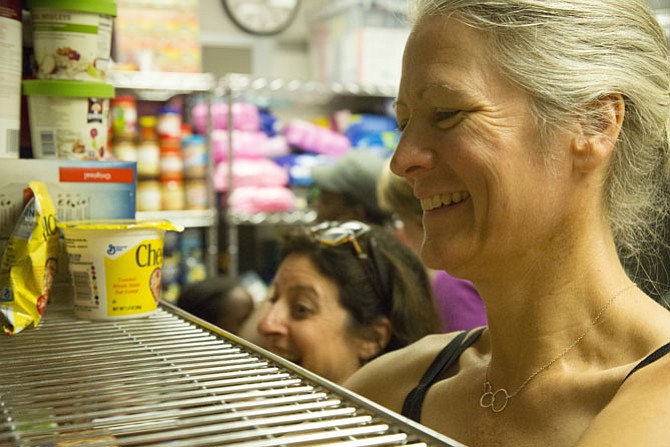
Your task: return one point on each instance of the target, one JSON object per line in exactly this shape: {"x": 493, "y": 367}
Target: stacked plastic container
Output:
{"x": 68, "y": 102}
{"x": 10, "y": 77}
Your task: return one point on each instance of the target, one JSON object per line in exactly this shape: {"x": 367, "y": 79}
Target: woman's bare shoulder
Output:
{"x": 643, "y": 398}
{"x": 388, "y": 379}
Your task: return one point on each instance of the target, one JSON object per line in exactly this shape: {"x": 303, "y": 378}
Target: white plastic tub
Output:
{"x": 68, "y": 119}
{"x": 10, "y": 78}
{"x": 115, "y": 267}
{"x": 72, "y": 38}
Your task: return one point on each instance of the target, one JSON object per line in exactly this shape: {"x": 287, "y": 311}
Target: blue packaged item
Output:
{"x": 267, "y": 122}
{"x": 299, "y": 167}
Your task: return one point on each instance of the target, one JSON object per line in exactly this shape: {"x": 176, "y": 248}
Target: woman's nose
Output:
{"x": 274, "y": 321}
{"x": 411, "y": 154}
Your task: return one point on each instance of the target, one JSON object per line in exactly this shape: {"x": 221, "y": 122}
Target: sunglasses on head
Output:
{"x": 335, "y": 234}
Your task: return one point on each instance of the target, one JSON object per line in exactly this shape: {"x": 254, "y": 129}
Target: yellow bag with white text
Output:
{"x": 29, "y": 262}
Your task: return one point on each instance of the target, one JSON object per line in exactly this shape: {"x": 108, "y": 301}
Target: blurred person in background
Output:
{"x": 221, "y": 300}
{"x": 346, "y": 188}
{"x": 344, "y": 294}
{"x": 458, "y": 303}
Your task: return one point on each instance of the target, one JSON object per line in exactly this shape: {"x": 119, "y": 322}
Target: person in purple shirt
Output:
{"x": 458, "y": 303}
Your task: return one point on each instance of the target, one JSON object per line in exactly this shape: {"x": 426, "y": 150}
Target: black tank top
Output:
{"x": 450, "y": 354}
{"x": 447, "y": 357}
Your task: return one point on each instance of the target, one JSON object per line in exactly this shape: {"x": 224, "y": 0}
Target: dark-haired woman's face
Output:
{"x": 306, "y": 323}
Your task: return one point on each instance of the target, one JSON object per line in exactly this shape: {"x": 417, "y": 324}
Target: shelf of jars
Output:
{"x": 185, "y": 197}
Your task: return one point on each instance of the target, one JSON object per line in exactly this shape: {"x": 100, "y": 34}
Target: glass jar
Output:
{"x": 172, "y": 194}
{"x": 196, "y": 194}
{"x": 172, "y": 165}
{"x": 148, "y": 195}
{"x": 148, "y": 149}
{"x": 194, "y": 154}
{"x": 124, "y": 116}
{"x": 169, "y": 122}
{"x": 124, "y": 148}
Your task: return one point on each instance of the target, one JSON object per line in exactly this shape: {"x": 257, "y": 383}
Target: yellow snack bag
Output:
{"x": 29, "y": 262}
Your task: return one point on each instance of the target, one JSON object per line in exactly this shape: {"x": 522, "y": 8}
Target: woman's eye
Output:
{"x": 300, "y": 311}
{"x": 446, "y": 115}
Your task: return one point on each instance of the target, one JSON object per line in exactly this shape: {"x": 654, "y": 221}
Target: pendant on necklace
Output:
{"x": 495, "y": 400}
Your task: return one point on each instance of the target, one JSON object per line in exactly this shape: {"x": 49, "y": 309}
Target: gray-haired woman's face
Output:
{"x": 468, "y": 148}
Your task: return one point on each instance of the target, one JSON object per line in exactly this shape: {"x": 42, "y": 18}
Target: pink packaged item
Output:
{"x": 245, "y": 116}
{"x": 268, "y": 199}
{"x": 249, "y": 172}
{"x": 247, "y": 145}
{"x": 317, "y": 139}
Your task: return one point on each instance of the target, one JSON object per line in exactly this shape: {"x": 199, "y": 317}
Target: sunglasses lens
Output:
{"x": 334, "y": 236}
{"x": 357, "y": 228}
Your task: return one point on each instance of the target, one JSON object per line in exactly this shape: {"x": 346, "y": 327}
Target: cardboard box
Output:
{"x": 80, "y": 190}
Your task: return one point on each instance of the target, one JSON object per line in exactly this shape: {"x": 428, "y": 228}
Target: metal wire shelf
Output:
{"x": 171, "y": 379}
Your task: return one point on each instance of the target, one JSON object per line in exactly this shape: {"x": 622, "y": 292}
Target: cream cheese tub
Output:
{"x": 72, "y": 38}
{"x": 68, "y": 119}
{"x": 115, "y": 266}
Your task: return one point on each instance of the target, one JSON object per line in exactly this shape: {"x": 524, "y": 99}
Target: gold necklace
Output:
{"x": 497, "y": 400}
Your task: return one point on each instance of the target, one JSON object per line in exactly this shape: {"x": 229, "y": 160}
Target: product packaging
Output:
{"x": 68, "y": 119}
{"x": 79, "y": 190}
{"x": 116, "y": 266}
{"x": 10, "y": 77}
{"x": 29, "y": 262}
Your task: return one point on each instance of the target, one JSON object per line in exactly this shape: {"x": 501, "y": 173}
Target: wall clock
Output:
{"x": 261, "y": 17}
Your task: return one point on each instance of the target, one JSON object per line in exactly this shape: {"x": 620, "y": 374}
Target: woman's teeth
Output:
{"x": 443, "y": 200}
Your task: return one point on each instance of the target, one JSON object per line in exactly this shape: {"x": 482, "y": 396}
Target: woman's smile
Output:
{"x": 442, "y": 200}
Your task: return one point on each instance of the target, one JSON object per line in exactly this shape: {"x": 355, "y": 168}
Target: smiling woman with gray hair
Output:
{"x": 548, "y": 121}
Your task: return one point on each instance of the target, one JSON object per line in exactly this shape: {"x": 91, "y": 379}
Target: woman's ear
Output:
{"x": 592, "y": 150}
{"x": 374, "y": 340}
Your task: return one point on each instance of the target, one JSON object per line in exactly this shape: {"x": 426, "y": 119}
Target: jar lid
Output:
{"x": 167, "y": 110}
{"x": 123, "y": 98}
{"x": 172, "y": 179}
{"x": 75, "y": 89}
{"x": 170, "y": 143}
{"x": 193, "y": 139}
{"x": 148, "y": 121}
{"x": 123, "y": 139}
{"x": 107, "y": 7}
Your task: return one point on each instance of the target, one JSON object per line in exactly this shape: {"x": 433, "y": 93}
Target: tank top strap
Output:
{"x": 651, "y": 358}
{"x": 445, "y": 358}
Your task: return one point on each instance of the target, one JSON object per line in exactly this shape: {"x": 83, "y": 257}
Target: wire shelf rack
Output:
{"x": 173, "y": 380}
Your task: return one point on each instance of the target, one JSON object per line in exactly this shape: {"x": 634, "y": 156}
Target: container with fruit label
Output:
{"x": 72, "y": 39}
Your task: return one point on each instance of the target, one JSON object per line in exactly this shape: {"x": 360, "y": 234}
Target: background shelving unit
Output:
{"x": 287, "y": 98}
{"x": 154, "y": 86}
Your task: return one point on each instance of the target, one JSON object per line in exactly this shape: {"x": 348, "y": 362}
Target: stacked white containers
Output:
{"x": 10, "y": 77}
{"x": 68, "y": 103}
